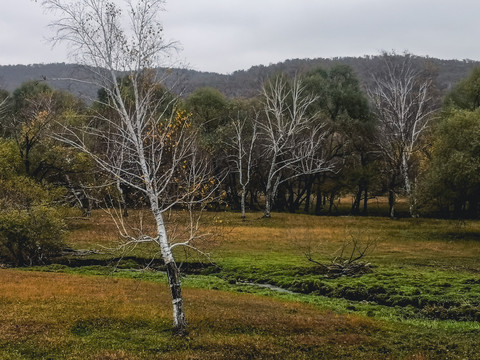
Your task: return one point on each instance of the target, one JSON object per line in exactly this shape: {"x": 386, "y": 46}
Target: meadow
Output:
{"x": 258, "y": 298}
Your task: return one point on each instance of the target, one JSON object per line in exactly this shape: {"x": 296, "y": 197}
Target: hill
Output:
{"x": 243, "y": 83}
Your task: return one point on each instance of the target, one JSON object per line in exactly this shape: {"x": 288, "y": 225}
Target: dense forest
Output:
{"x": 299, "y": 142}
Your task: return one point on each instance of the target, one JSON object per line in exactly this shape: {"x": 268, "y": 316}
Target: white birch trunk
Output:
{"x": 242, "y": 202}
{"x": 268, "y": 196}
{"x": 173, "y": 274}
{"x": 408, "y": 186}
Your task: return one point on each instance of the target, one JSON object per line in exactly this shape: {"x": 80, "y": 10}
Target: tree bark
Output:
{"x": 331, "y": 201}
{"x": 233, "y": 191}
{"x": 242, "y": 202}
{"x": 319, "y": 202}
{"x": 121, "y": 199}
{"x": 291, "y": 196}
{"x": 173, "y": 274}
{"x": 408, "y": 187}
{"x": 356, "y": 202}
{"x": 309, "y": 186}
{"x": 268, "y": 206}
{"x": 391, "y": 203}
{"x": 365, "y": 201}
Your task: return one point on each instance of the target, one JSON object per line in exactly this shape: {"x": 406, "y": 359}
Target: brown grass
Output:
{"x": 415, "y": 240}
{"x": 44, "y": 309}
{"x": 287, "y": 237}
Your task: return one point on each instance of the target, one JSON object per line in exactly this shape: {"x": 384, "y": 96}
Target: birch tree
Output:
{"x": 4, "y": 104}
{"x": 403, "y": 100}
{"x": 149, "y": 147}
{"x": 291, "y": 135}
{"x": 243, "y": 143}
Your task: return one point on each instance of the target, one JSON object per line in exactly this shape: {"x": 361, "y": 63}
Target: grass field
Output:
{"x": 421, "y": 301}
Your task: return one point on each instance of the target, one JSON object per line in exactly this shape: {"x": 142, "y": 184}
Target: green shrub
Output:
{"x": 29, "y": 237}
{"x": 10, "y": 161}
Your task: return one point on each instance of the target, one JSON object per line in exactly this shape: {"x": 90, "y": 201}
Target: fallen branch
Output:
{"x": 346, "y": 263}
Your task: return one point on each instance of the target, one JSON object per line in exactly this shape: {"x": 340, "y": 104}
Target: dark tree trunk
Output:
{"x": 86, "y": 205}
{"x": 356, "y": 201}
{"x": 331, "y": 201}
{"x": 391, "y": 203}
{"x": 173, "y": 275}
{"x": 365, "y": 201}
{"x": 302, "y": 190}
{"x": 234, "y": 197}
{"x": 308, "y": 195}
{"x": 473, "y": 206}
{"x": 391, "y": 196}
{"x": 280, "y": 203}
{"x": 253, "y": 200}
{"x": 291, "y": 197}
{"x": 319, "y": 202}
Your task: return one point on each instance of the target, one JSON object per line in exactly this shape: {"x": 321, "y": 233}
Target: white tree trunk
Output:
{"x": 268, "y": 198}
{"x": 268, "y": 206}
{"x": 408, "y": 186}
{"x": 173, "y": 274}
{"x": 242, "y": 202}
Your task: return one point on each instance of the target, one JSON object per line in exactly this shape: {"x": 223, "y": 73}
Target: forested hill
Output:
{"x": 244, "y": 83}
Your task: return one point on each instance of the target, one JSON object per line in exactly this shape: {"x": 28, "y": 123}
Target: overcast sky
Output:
{"x": 228, "y": 35}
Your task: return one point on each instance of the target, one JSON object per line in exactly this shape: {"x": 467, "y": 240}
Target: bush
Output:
{"x": 30, "y": 237}
{"x": 31, "y": 230}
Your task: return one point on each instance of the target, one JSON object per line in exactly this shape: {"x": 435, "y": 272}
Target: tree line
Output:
{"x": 242, "y": 83}
{"x": 300, "y": 145}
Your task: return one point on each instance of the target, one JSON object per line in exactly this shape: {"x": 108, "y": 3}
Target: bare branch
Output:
{"x": 402, "y": 97}
{"x": 145, "y": 142}
{"x": 291, "y": 135}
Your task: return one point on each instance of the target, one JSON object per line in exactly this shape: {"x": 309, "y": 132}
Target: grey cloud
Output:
{"x": 226, "y": 35}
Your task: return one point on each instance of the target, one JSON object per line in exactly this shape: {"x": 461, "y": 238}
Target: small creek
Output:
{"x": 267, "y": 286}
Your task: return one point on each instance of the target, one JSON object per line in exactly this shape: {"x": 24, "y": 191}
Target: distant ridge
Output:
{"x": 243, "y": 83}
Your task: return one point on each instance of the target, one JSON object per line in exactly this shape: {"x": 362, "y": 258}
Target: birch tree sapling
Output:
{"x": 403, "y": 100}
{"x": 291, "y": 135}
{"x": 149, "y": 147}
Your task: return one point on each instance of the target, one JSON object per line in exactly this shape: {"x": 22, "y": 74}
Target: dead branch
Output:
{"x": 348, "y": 261}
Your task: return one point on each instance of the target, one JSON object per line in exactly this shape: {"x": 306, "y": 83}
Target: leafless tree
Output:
{"x": 4, "y": 105}
{"x": 291, "y": 135}
{"x": 149, "y": 146}
{"x": 402, "y": 97}
{"x": 243, "y": 143}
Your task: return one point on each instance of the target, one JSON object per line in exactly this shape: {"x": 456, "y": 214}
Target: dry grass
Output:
{"x": 415, "y": 240}
{"x": 285, "y": 237}
{"x": 105, "y": 318}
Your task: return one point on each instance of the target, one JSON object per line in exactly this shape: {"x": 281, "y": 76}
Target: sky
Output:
{"x": 228, "y": 35}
